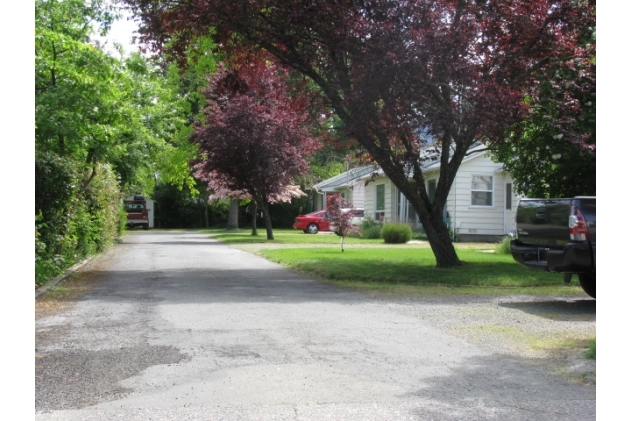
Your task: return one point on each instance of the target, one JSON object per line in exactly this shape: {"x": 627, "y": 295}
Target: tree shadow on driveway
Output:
{"x": 559, "y": 309}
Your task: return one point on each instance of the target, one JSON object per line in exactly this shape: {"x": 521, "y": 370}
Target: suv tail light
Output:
{"x": 577, "y": 225}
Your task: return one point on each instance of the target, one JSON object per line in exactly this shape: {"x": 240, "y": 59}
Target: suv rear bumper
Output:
{"x": 573, "y": 258}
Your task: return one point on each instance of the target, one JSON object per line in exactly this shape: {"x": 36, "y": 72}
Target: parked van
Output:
{"x": 139, "y": 211}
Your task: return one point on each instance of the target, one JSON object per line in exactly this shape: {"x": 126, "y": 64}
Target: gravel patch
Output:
{"x": 547, "y": 330}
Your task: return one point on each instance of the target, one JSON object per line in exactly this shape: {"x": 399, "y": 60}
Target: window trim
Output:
{"x": 377, "y": 209}
{"x": 380, "y": 214}
{"x": 492, "y": 191}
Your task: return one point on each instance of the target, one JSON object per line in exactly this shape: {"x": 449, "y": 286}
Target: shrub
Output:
{"x": 419, "y": 234}
{"x": 73, "y": 219}
{"x": 372, "y": 232}
{"x": 503, "y": 247}
{"x": 396, "y": 233}
{"x": 370, "y": 228}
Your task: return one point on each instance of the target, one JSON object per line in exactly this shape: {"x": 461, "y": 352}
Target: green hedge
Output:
{"x": 396, "y": 233}
{"x": 74, "y": 218}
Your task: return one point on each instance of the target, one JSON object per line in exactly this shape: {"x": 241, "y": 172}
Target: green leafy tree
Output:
{"x": 104, "y": 126}
{"x": 553, "y": 152}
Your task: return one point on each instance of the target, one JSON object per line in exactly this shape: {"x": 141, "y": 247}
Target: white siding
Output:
{"x": 480, "y": 220}
{"x": 465, "y": 218}
{"x": 359, "y": 191}
{"x": 370, "y": 194}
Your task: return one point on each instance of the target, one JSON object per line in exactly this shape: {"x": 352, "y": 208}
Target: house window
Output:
{"x": 380, "y": 201}
{"x": 482, "y": 190}
{"x": 509, "y": 196}
{"x": 431, "y": 189}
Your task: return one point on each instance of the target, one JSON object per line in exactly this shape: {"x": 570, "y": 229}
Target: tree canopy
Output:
{"x": 553, "y": 152}
{"x": 399, "y": 73}
{"x": 105, "y": 127}
{"x": 253, "y": 141}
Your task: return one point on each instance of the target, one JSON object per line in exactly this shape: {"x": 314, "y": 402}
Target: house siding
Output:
{"x": 370, "y": 198}
{"x": 469, "y": 220}
{"x": 358, "y": 194}
{"x": 471, "y": 223}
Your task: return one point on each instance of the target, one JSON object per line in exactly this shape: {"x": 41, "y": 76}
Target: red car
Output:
{"x": 312, "y": 222}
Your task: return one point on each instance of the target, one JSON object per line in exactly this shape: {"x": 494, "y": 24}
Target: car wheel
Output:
{"x": 145, "y": 227}
{"x": 588, "y": 283}
{"x": 312, "y": 229}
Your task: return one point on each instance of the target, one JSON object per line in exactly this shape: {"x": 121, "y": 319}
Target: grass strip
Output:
{"x": 414, "y": 267}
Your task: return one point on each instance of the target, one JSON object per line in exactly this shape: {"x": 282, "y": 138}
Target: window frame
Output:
{"x": 380, "y": 212}
{"x": 491, "y": 191}
{"x": 431, "y": 188}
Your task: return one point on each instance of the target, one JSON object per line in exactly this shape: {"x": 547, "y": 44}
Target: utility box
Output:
{"x": 140, "y": 211}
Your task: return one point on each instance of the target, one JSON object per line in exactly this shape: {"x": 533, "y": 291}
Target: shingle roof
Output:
{"x": 351, "y": 176}
{"x": 345, "y": 179}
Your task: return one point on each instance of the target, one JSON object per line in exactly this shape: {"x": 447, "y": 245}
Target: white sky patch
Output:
{"x": 122, "y": 32}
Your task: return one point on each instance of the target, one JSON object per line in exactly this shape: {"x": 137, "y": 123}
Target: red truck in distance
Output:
{"x": 139, "y": 212}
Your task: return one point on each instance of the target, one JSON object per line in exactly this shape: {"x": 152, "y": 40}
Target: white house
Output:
{"x": 349, "y": 185}
{"x": 480, "y": 206}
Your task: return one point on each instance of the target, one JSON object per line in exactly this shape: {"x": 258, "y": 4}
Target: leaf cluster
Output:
{"x": 341, "y": 215}
{"x": 253, "y": 141}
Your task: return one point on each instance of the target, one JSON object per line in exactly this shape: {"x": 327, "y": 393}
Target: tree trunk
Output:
{"x": 430, "y": 211}
{"x": 254, "y": 209}
{"x": 206, "y": 220}
{"x": 439, "y": 240}
{"x": 268, "y": 221}
{"x": 233, "y": 215}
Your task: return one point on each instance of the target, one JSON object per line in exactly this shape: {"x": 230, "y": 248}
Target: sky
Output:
{"x": 121, "y": 32}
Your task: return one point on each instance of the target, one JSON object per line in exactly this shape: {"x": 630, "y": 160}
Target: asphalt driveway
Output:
{"x": 177, "y": 326}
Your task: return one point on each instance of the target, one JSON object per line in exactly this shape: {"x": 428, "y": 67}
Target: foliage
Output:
{"x": 103, "y": 126}
{"x": 396, "y": 233}
{"x": 399, "y": 74}
{"x": 553, "y": 152}
{"x": 71, "y": 223}
{"x": 179, "y": 208}
{"x": 253, "y": 141}
{"x": 419, "y": 234}
{"x": 341, "y": 216}
{"x": 503, "y": 247}
{"x": 370, "y": 228}
{"x": 591, "y": 351}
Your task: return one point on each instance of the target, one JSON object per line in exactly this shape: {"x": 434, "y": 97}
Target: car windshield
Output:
{"x": 134, "y": 207}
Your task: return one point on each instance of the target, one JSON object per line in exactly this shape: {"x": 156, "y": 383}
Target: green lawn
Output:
{"x": 372, "y": 265}
{"x": 282, "y": 236}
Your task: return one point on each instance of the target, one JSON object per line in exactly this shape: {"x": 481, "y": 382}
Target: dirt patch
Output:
{"x": 63, "y": 296}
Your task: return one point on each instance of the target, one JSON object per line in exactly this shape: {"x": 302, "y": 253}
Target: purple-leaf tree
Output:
{"x": 341, "y": 215}
{"x": 253, "y": 139}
